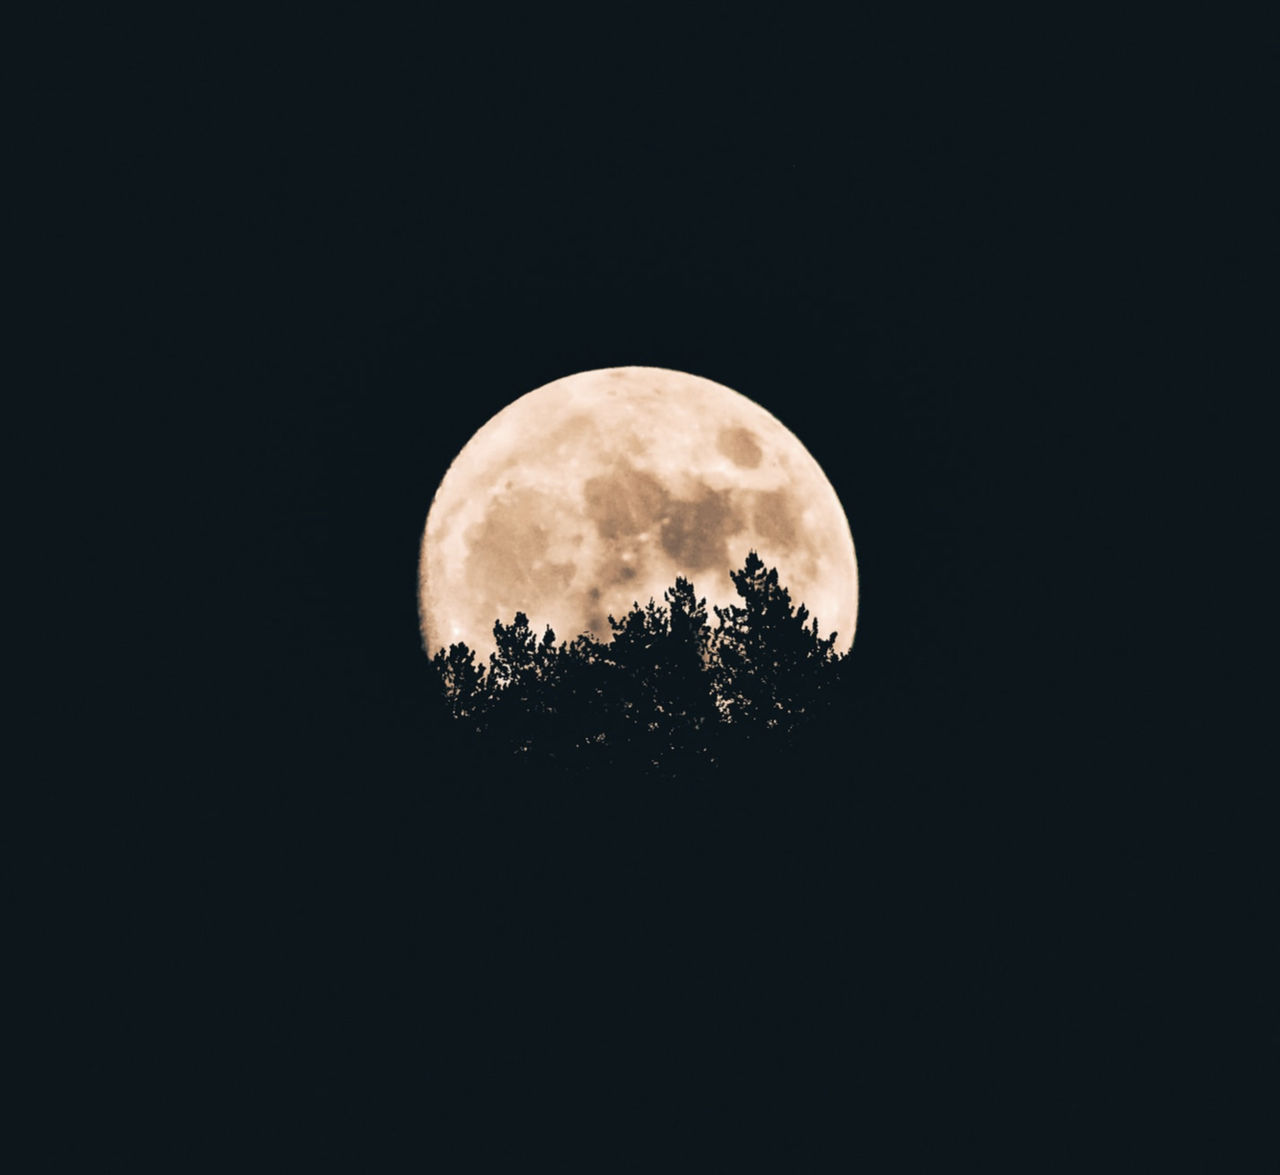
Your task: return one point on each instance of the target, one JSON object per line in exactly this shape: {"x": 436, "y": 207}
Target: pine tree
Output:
{"x": 461, "y": 681}
{"x": 666, "y": 693}
{"x": 767, "y": 656}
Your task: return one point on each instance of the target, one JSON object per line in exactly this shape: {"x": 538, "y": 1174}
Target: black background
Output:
{"x": 946, "y": 269}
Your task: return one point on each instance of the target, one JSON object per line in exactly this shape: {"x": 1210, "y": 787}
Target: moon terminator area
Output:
{"x": 598, "y": 490}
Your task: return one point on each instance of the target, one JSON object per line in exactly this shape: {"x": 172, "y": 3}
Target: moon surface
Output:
{"x": 596, "y": 491}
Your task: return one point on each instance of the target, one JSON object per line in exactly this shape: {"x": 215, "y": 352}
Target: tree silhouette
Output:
{"x": 461, "y": 682}
{"x": 521, "y": 681}
{"x": 769, "y": 664}
{"x": 667, "y": 693}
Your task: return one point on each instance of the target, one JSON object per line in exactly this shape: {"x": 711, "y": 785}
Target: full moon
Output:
{"x": 594, "y": 492}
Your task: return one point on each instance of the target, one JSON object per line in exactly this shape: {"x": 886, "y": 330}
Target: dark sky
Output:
{"x": 341, "y": 254}
{"x": 359, "y": 281}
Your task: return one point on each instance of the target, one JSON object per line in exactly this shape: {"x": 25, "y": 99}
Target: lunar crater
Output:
{"x": 740, "y": 446}
{"x": 776, "y": 517}
{"x": 695, "y": 532}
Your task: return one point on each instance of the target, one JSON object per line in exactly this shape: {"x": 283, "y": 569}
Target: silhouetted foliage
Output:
{"x": 767, "y": 665}
{"x": 461, "y": 681}
{"x": 666, "y": 693}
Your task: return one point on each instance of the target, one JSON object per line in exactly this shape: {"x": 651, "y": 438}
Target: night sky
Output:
{"x": 932, "y": 269}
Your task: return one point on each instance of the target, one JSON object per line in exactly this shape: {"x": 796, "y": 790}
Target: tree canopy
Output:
{"x": 669, "y": 690}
